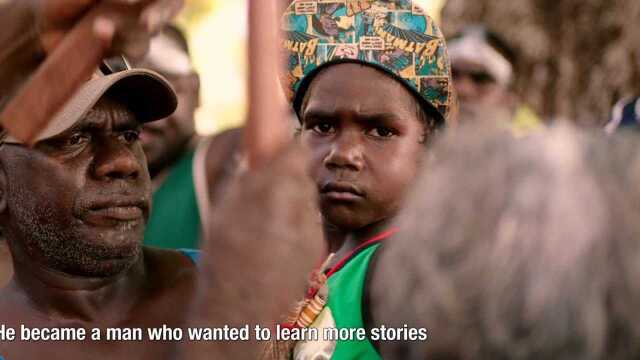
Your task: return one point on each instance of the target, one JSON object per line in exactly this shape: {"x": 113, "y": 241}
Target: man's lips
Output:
{"x": 120, "y": 213}
{"x": 113, "y": 212}
{"x": 341, "y": 191}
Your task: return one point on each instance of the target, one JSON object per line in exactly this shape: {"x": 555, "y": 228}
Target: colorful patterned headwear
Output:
{"x": 395, "y": 36}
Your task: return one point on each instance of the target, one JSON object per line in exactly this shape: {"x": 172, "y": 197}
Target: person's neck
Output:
{"x": 88, "y": 299}
{"x": 341, "y": 241}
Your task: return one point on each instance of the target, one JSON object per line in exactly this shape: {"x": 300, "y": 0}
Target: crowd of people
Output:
{"x": 417, "y": 192}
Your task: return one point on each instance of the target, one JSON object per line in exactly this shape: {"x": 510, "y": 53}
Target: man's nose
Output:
{"x": 116, "y": 161}
{"x": 346, "y": 152}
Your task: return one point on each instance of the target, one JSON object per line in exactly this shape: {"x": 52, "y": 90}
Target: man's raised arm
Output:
{"x": 71, "y": 37}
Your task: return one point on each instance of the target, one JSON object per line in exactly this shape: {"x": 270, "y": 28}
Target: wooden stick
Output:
{"x": 57, "y": 79}
{"x": 266, "y": 129}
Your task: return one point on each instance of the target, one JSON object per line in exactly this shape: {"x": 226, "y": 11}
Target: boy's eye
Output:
{"x": 130, "y": 136}
{"x": 323, "y": 128}
{"x": 381, "y": 132}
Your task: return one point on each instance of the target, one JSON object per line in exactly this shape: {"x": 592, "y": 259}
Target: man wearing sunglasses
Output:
{"x": 73, "y": 210}
{"x": 483, "y": 74}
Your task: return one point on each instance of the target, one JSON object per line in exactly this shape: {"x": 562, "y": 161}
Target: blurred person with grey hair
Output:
{"x": 518, "y": 249}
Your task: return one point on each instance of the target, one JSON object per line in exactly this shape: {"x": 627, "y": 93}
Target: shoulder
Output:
{"x": 170, "y": 287}
{"x": 222, "y": 154}
{"x": 169, "y": 267}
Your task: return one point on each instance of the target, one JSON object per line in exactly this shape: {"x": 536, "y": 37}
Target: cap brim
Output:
{"x": 147, "y": 93}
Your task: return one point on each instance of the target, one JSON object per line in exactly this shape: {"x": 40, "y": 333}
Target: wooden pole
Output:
{"x": 63, "y": 72}
{"x": 266, "y": 129}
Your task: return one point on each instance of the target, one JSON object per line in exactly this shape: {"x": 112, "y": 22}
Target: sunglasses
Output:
{"x": 477, "y": 77}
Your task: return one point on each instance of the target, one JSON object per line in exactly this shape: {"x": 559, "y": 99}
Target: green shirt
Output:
{"x": 346, "y": 291}
{"x": 344, "y": 309}
{"x": 175, "y": 220}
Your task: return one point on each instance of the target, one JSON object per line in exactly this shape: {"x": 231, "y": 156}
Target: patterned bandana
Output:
{"x": 395, "y": 36}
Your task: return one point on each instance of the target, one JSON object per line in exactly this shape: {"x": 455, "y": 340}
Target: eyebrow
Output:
{"x": 372, "y": 117}
{"x": 91, "y": 122}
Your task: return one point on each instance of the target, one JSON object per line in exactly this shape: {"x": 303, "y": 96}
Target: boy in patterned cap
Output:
{"x": 370, "y": 82}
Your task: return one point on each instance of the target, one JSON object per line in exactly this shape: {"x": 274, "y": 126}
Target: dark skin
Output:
{"x": 479, "y": 94}
{"x": 76, "y": 241}
{"x": 367, "y": 142}
{"x": 6, "y": 268}
{"x": 164, "y": 141}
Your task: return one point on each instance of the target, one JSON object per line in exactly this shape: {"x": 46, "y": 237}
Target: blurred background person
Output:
{"x": 575, "y": 74}
{"x": 170, "y": 147}
{"x": 185, "y": 168}
{"x": 484, "y": 72}
{"x": 534, "y": 256}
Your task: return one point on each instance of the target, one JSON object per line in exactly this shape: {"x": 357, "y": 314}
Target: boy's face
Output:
{"x": 366, "y": 141}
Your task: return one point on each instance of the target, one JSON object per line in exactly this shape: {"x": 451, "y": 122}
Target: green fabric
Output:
{"x": 175, "y": 219}
{"x": 346, "y": 289}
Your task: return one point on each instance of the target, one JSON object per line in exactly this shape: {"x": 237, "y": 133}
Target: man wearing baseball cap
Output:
{"x": 34, "y": 29}
{"x": 73, "y": 209}
{"x": 370, "y": 82}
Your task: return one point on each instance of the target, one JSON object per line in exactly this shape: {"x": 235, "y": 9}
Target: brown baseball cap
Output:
{"x": 147, "y": 93}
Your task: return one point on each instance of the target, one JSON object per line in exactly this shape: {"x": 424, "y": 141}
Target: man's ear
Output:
{"x": 3, "y": 190}
{"x": 194, "y": 83}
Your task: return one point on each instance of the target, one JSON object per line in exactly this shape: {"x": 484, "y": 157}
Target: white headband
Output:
{"x": 167, "y": 57}
{"x": 473, "y": 47}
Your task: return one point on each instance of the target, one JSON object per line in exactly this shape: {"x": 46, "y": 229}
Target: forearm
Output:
{"x": 252, "y": 272}
{"x": 20, "y": 49}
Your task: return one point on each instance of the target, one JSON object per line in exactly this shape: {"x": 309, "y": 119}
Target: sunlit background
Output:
{"x": 217, "y": 34}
